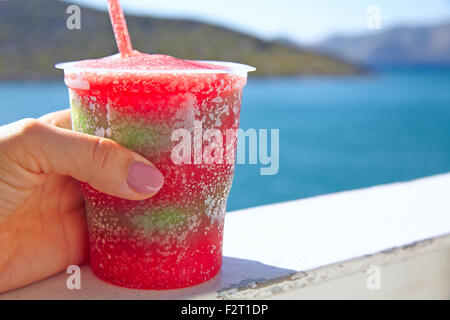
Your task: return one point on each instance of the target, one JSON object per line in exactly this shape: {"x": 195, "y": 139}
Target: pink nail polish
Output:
{"x": 144, "y": 178}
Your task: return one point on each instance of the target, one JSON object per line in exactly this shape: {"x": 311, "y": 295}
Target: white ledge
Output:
{"x": 282, "y": 250}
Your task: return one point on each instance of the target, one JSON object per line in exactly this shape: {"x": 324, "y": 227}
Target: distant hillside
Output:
{"x": 398, "y": 46}
{"x": 33, "y": 37}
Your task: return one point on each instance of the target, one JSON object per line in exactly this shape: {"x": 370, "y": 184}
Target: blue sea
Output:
{"x": 336, "y": 133}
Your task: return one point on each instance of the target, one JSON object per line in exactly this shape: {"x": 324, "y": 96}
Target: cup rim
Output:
{"x": 229, "y": 67}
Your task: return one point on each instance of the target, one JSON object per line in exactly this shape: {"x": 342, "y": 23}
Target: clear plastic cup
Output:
{"x": 173, "y": 239}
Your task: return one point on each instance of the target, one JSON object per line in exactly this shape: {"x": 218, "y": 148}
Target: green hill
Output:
{"x": 34, "y": 36}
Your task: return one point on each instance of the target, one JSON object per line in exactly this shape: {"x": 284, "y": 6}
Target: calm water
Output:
{"x": 335, "y": 134}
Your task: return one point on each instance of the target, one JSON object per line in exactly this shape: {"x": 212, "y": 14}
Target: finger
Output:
{"x": 60, "y": 119}
{"x": 102, "y": 163}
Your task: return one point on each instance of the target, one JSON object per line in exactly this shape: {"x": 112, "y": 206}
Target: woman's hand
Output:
{"x": 42, "y": 217}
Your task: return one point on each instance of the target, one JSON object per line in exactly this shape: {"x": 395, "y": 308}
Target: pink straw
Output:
{"x": 120, "y": 28}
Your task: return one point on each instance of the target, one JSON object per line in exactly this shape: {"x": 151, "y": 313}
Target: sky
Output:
{"x": 301, "y": 21}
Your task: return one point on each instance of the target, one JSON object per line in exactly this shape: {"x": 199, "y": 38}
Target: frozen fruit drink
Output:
{"x": 173, "y": 239}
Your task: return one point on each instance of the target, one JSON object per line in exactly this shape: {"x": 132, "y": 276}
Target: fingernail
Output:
{"x": 144, "y": 178}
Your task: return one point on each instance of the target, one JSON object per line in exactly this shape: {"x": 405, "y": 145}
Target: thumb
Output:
{"x": 102, "y": 163}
